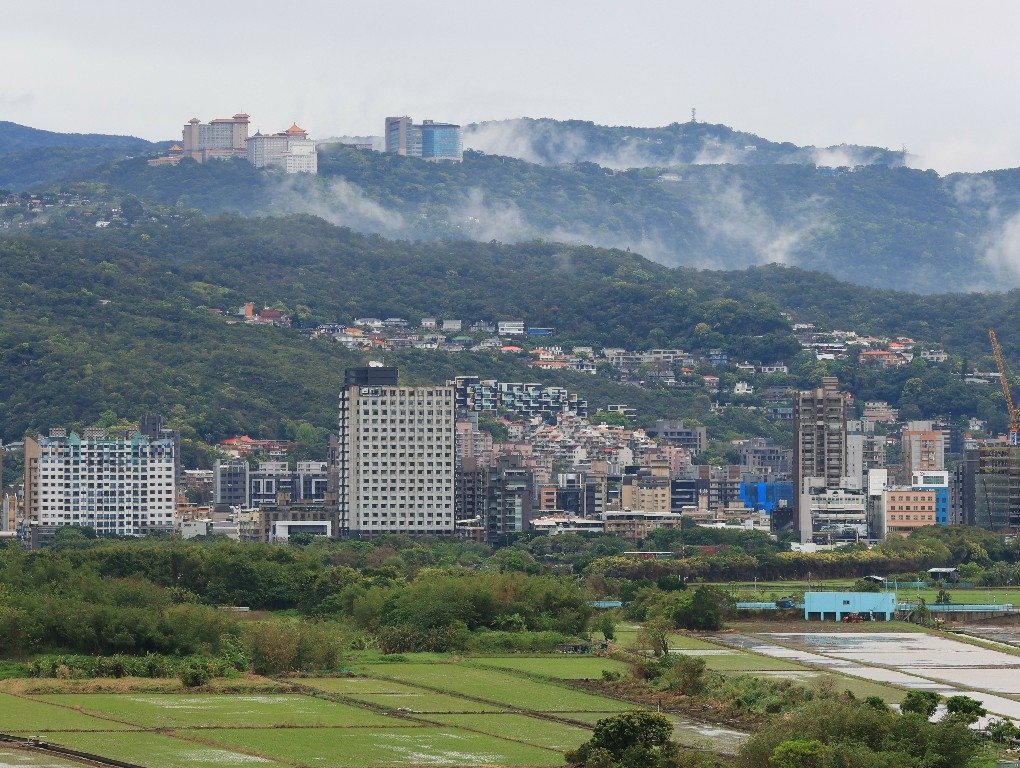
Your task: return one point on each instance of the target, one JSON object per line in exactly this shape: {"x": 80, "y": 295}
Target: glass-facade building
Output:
{"x": 430, "y": 140}
{"x": 441, "y": 141}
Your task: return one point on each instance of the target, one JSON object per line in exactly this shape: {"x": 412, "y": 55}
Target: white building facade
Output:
{"x": 117, "y": 485}
{"x": 291, "y": 151}
{"x": 395, "y": 456}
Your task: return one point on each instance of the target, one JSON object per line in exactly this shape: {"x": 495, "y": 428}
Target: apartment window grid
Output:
{"x": 400, "y": 474}
{"x": 122, "y": 487}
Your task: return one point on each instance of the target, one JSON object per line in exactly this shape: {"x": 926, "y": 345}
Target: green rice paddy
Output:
{"x": 211, "y": 710}
{"x": 565, "y": 668}
{"x": 366, "y": 748}
{"x": 399, "y": 714}
{"x": 498, "y": 687}
{"x": 481, "y": 711}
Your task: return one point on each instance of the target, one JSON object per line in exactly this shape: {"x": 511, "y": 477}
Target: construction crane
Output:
{"x": 1014, "y": 414}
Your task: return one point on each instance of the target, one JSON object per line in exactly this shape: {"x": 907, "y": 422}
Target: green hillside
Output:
{"x": 119, "y": 322}
{"x": 875, "y": 225}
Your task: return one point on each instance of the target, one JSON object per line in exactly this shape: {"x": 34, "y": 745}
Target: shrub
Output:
{"x": 194, "y": 676}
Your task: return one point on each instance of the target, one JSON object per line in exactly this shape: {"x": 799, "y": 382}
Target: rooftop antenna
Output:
{"x": 694, "y": 114}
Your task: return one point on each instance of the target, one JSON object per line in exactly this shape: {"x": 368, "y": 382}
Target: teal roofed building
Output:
{"x": 833, "y": 606}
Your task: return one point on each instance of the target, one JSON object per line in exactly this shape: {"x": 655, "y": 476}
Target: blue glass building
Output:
{"x": 441, "y": 141}
{"x": 767, "y": 496}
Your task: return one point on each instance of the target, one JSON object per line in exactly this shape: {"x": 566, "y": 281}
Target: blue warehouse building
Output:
{"x": 833, "y": 606}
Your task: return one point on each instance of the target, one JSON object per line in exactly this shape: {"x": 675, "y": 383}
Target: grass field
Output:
{"x": 201, "y": 710}
{"x": 17, "y": 758}
{"x": 155, "y": 750}
{"x": 543, "y": 733}
{"x": 393, "y": 695}
{"x": 499, "y": 687}
{"x": 21, "y": 714}
{"x": 563, "y": 667}
{"x": 363, "y": 748}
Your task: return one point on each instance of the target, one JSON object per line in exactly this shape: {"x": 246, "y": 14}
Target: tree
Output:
{"x": 607, "y": 627}
{"x": 655, "y": 636}
{"x": 631, "y": 732}
{"x": 799, "y": 753}
{"x": 965, "y": 708}
{"x": 705, "y": 610}
{"x": 687, "y": 674}
{"x": 923, "y": 703}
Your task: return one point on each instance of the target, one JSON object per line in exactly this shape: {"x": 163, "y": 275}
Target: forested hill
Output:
{"x": 553, "y": 142}
{"x": 18, "y": 138}
{"x": 874, "y": 225}
{"x": 30, "y": 156}
{"x": 120, "y": 322}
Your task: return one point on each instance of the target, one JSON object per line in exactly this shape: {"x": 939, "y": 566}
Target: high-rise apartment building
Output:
{"x": 997, "y": 488}
{"x": 396, "y": 455}
{"x": 429, "y": 141}
{"x": 291, "y": 151}
{"x": 508, "y": 500}
{"x": 230, "y": 482}
{"x": 819, "y": 449}
{"x": 122, "y": 485}
{"x": 924, "y": 448}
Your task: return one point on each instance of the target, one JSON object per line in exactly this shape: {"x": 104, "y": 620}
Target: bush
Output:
{"x": 687, "y": 675}
{"x": 922, "y": 703}
{"x": 194, "y": 676}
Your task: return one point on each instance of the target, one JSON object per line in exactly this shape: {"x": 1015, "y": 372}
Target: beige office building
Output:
{"x": 395, "y": 456}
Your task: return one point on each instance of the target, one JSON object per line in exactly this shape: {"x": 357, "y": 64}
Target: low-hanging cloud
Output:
{"x": 728, "y": 219}
{"x": 1000, "y": 245}
{"x": 337, "y": 201}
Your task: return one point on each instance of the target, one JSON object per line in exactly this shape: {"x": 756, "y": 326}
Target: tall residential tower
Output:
{"x": 819, "y": 449}
{"x": 395, "y": 456}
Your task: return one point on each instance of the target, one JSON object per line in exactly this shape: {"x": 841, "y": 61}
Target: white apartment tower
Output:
{"x": 121, "y": 485}
{"x": 395, "y": 458}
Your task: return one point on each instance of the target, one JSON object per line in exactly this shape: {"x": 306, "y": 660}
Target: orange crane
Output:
{"x": 1014, "y": 414}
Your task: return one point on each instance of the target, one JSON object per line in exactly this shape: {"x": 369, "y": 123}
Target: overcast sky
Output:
{"x": 941, "y": 78}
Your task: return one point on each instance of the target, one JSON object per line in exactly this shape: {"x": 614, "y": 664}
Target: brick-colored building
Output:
{"x": 906, "y": 509}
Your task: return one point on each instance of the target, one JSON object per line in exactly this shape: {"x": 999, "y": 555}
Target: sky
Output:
{"x": 940, "y": 78}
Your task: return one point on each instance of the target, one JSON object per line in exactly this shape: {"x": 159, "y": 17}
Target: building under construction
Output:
{"x": 997, "y": 488}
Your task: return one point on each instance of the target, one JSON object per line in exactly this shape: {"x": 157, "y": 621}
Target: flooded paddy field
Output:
{"x": 906, "y": 659}
{"x": 996, "y": 633}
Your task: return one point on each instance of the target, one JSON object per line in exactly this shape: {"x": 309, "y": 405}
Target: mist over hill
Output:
{"x": 554, "y": 142}
{"x": 878, "y": 223}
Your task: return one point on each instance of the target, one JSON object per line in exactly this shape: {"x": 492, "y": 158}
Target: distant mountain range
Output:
{"x": 853, "y": 212}
{"x": 19, "y": 138}
{"x": 32, "y": 157}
